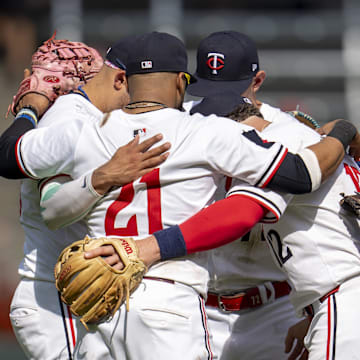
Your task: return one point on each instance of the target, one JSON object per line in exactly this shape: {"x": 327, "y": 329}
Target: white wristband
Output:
{"x": 312, "y": 164}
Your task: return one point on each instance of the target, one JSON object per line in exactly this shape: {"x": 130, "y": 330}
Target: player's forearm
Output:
{"x": 329, "y": 153}
{"x": 65, "y": 201}
{"x": 305, "y": 171}
{"x": 331, "y": 150}
{"x": 203, "y": 231}
{"x": 25, "y": 120}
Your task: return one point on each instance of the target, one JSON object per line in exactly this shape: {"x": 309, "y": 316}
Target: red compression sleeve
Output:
{"x": 221, "y": 223}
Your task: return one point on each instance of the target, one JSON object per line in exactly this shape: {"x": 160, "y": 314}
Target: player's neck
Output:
{"x": 256, "y": 122}
{"x": 99, "y": 95}
{"x": 137, "y": 107}
{"x": 145, "y": 102}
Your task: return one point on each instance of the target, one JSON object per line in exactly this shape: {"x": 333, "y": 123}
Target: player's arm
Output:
{"x": 304, "y": 172}
{"x": 203, "y": 231}
{"x": 297, "y": 332}
{"x": 32, "y": 107}
{"x": 65, "y": 201}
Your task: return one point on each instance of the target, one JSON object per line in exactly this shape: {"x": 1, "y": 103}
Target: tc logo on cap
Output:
{"x": 215, "y": 62}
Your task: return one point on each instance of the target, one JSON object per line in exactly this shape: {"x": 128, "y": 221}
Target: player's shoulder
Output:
{"x": 274, "y": 114}
{"x": 286, "y": 128}
{"x": 268, "y": 112}
{"x": 69, "y": 107}
{"x": 214, "y": 122}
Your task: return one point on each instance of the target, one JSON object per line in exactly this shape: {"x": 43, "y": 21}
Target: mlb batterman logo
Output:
{"x": 146, "y": 64}
{"x": 140, "y": 132}
{"x": 215, "y": 62}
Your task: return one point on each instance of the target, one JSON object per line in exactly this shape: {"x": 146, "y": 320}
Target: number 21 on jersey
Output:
{"x": 126, "y": 196}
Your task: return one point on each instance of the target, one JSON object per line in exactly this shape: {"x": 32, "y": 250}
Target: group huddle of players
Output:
{"x": 237, "y": 213}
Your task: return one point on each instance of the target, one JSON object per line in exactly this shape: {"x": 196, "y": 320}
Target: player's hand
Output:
{"x": 148, "y": 249}
{"x": 297, "y": 332}
{"x": 130, "y": 162}
{"x": 354, "y": 150}
{"x": 37, "y": 101}
{"x": 109, "y": 255}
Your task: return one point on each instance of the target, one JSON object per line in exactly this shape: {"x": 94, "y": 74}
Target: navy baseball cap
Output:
{"x": 226, "y": 61}
{"x": 220, "y": 104}
{"x": 149, "y": 53}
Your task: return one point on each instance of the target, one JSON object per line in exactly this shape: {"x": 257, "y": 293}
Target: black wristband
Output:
{"x": 30, "y": 107}
{"x": 344, "y": 131}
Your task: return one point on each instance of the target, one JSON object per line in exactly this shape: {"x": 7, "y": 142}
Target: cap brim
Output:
{"x": 192, "y": 78}
{"x": 221, "y": 104}
{"x": 204, "y": 87}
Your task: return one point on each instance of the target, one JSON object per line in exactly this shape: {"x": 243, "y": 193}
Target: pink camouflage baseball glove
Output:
{"x": 58, "y": 66}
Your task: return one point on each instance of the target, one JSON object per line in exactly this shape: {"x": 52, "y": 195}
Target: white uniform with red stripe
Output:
{"x": 41, "y": 322}
{"x": 203, "y": 150}
{"x": 316, "y": 244}
{"x": 256, "y": 332}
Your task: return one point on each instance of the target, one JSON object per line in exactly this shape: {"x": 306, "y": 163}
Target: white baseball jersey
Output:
{"x": 315, "y": 241}
{"x": 246, "y": 262}
{"x": 273, "y": 114}
{"x": 203, "y": 150}
{"x": 43, "y": 246}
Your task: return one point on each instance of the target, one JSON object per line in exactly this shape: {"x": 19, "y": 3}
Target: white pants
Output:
{"x": 334, "y": 330}
{"x": 41, "y": 323}
{"x": 257, "y": 334}
{"x": 166, "y": 321}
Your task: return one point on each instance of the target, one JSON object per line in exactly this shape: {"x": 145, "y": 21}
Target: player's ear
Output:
{"x": 258, "y": 80}
{"x": 120, "y": 80}
{"x": 181, "y": 82}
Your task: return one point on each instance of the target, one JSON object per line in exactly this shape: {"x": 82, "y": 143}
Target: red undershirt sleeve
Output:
{"x": 221, "y": 223}
{"x": 217, "y": 225}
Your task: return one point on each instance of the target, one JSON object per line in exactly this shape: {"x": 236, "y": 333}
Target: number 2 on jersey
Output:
{"x": 126, "y": 196}
{"x": 282, "y": 253}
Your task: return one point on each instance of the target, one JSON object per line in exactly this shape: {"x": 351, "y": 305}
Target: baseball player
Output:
{"x": 169, "y": 302}
{"x": 316, "y": 236}
{"x": 42, "y": 324}
{"x": 227, "y": 61}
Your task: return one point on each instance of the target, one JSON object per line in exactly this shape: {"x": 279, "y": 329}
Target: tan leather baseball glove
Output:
{"x": 93, "y": 289}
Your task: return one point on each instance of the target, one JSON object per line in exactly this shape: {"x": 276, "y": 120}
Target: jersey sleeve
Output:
{"x": 296, "y": 137}
{"x": 237, "y": 151}
{"x": 274, "y": 202}
{"x": 48, "y": 151}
